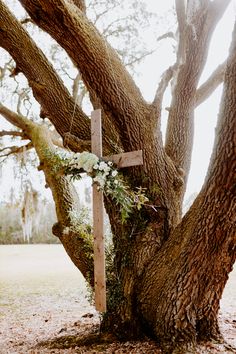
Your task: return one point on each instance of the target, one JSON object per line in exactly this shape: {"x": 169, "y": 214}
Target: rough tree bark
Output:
{"x": 161, "y": 283}
{"x": 191, "y": 269}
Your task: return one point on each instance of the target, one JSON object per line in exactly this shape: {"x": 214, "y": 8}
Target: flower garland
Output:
{"x": 107, "y": 178}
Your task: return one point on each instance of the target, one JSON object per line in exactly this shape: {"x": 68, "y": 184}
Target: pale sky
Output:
{"x": 151, "y": 70}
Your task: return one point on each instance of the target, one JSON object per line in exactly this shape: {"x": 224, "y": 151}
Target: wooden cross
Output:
{"x": 121, "y": 160}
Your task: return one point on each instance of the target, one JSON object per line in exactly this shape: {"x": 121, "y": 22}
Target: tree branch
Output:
{"x": 214, "y": 228}
{"x": 11, "y": 133}
{"x": 80, "y": 4}
{"x": 138, "y": 58}
{"x": 26, "y": 125}
{"x": 71, "y": 235}
{"x": 101, "y": 14}
{"x": 16, "y": 149}
{"x": 78, "y": 144}
{"x": 99, "y": 65}
{"x": 75, "y": 236}
{"x": 180, "y": 12}
{"x": 6, "y": 66}
{"x": 166, "y": 77}
{"x": 15, "y": 119}
{"x": 166, "y": 35}
{"x": 27, "y": 20}
{"x": 180, "y": 128}
{"x": 112, "y": 88}
{"x": 47, "y": 87}
{"x": 206, "y": 89}
{"x": 75, "y": 87}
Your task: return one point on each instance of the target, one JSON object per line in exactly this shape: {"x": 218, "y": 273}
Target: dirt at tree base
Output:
{"x": 44, "y": 308}
{"x": 48, "y": 324}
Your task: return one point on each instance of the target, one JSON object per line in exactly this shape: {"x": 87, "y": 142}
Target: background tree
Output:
{"x": 16, "y": 215}
{"x": 160, "y": 282}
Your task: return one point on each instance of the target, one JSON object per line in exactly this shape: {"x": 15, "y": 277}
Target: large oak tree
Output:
{"x": 168, "y": 271}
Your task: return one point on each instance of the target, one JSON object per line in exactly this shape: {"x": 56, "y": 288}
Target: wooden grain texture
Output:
{"x": 126, "y": 159}
{"x": 98, "y": 228}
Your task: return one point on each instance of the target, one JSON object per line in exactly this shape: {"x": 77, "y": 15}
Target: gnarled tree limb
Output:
{"x": 25, "y": 125}
{"x": 166, "y": 77}
{"x": 4, "y": 68}
{"x": 47, "y": 87}
{"x": 11, "y": 133}
{"x": 15, "y": 119}
{"x": 16, "y": 149}
{"x": 209, "y": 86}
{"x": 166, "y": 35}
{"x": 181, "y": 17}
{"x": 78, "y": 144}
{"x": 99, "y": 65}
{"x": 75, "y": 237}
{"x": 179, "y": 134}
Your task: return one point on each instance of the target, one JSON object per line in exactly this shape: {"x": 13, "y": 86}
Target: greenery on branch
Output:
{"x": 106, "y": 177}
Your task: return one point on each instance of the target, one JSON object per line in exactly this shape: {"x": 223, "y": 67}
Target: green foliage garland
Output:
{"x": 106, "y": 177}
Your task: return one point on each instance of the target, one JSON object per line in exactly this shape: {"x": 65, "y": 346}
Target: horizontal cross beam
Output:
{"x": 126, "y": 159}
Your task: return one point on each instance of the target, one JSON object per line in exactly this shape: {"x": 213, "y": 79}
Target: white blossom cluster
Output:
{"x": 101, "y": 172}
{"x": 84, "y": 161}
{"x": 107, "y": 178}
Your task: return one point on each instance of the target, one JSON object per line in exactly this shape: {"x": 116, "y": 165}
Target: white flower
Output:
{"x": 87, "y": 160}
{"x": 103, "y": 166}
{"x": 95, "y": 167}
{"x": 64, "y": 155}
{"x": 116, "y": 182}
{"x": 76, "y": 156}
{"x": 114, "y": 173}
{"x": 110, "y": 163}
{"x": 100, "y": 180}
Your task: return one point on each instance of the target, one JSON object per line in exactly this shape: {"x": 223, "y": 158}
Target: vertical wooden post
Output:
{"x": 132, "y": 158}
{"x": 98, "y": 228}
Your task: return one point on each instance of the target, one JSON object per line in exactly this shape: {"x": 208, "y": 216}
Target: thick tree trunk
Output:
{"x": 177, "y": 295}
{"x": 168, "y": 274}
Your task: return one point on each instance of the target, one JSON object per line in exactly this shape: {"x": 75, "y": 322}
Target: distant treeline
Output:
{"x": 39, "y": 224}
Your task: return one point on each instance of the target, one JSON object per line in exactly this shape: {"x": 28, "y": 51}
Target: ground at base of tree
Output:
{"x": 47, "y": 325}
{"x": 88, "y": 340}
{"x": 43, "y": 308}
